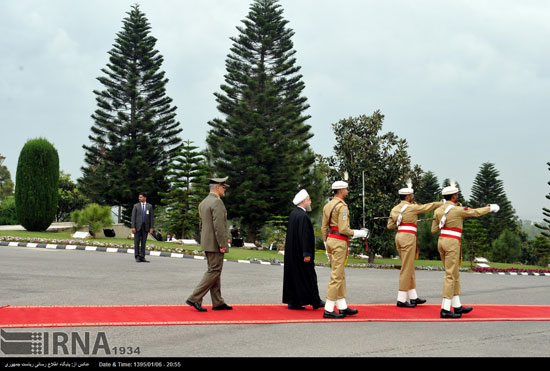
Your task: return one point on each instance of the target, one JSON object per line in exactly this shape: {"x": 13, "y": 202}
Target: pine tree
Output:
{"x": 135, "y": 135}
{"x": 189, "y": 185}
{"x": 262, "y": 141}
{"x": 476, "y": 241}
{"x": 428, "y": 190}
{"x": 489, "y": 189}
{"x": 546, "y": 213}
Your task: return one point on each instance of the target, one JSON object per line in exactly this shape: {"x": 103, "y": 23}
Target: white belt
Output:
{"x": 407, "y": 228}
{"x": 450, "y": 233}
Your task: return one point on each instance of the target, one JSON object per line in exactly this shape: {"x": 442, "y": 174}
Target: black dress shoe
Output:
{"x": 463, "y": 310}
{"x": 405, "y": 304}
{"x": 143, "y": 260}
{"x": 197, "y": 306}
{"x": 448, "y": 314}
{"x": 349, "y": 312}
{"x": 320, "y": 305}
{"x": 296, "y": 307}
{"x": 333, "y": 315}
{"x": 418, "y": 301}
{"x": 222, "y": 307}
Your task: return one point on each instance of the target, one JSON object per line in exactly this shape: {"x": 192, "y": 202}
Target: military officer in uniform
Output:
{"x": 213, "y": 227}
{"x": 336, "y": 233}
{"x": 448, "y": 220}
{"x": 404, "y": 217}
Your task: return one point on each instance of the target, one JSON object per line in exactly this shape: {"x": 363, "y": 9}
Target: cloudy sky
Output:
{"x": 465, "y": 82}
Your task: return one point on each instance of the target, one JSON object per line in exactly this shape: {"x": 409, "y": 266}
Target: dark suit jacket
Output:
{"x": 149, "y": 217}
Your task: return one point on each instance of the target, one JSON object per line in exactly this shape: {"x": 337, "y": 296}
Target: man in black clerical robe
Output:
{"x": 299, "y": 279}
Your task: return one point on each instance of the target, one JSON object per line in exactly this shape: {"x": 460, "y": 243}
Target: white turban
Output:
{"x": 300, "y": 196}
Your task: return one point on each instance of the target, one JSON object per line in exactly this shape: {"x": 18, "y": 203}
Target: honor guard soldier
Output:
{"x": 404, "y": 217}
{"x": 336, "y": 234}
{"x": 448, "y": 220}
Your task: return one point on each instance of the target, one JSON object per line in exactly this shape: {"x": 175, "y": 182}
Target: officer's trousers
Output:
{"x": 337, "y": 253}
{"x": 406, "y": 246}
{"x": 449, "y": 250}
{"x": 211, "y": 281}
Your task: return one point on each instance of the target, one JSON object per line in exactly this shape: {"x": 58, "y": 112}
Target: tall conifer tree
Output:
{"x": 189, "y": 185}
{"x": 135, "y": 135}
{"x": 546, "y": 212}
{"x": 261, "y": 143}
{"x": 428, "y": 190}
{"x": 489, "y": 189}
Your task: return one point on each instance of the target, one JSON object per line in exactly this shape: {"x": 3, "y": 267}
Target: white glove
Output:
{"x": 494, "y": 208}
{"x": 359, "y": 233}
{"x": 367, "y": 231}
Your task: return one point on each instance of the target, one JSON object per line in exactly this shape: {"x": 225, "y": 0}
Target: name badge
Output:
{"x": 147, "y": 212}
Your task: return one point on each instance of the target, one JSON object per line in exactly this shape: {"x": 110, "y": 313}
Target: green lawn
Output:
{"x": 236, "y": 253}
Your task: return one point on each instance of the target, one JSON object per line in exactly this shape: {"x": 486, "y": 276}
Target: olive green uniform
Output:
{"x": 213, "y": 227}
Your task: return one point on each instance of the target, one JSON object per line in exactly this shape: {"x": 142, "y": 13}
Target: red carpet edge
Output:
{"x": 246, "y": 314}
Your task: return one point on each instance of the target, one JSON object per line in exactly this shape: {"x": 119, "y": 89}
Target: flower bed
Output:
{"x": 508, "y": 270}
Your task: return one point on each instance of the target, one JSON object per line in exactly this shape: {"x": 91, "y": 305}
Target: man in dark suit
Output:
{"x": 143, "y": 222}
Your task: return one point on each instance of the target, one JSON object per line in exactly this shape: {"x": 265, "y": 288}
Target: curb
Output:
{"x": 125, "y": 251}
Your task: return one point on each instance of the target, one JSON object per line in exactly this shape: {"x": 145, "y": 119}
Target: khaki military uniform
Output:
{"x": 336, "y": 233}
{"x": 449, "y": 244}
{"x": 406, "y": 238}
{"x": 213, "y": 227}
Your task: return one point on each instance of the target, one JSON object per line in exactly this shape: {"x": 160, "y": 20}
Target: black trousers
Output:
{"x": 140, "y": 240}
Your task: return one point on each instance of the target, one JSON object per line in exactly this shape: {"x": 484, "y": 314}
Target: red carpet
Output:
{"x": 161, "y": 315}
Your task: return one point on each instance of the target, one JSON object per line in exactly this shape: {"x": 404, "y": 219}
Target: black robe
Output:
{"x": 299, "y": 279}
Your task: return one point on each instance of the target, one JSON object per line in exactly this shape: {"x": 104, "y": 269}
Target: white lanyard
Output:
{"x": 400, "y": 217}
{"x": 444, "y": 218}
